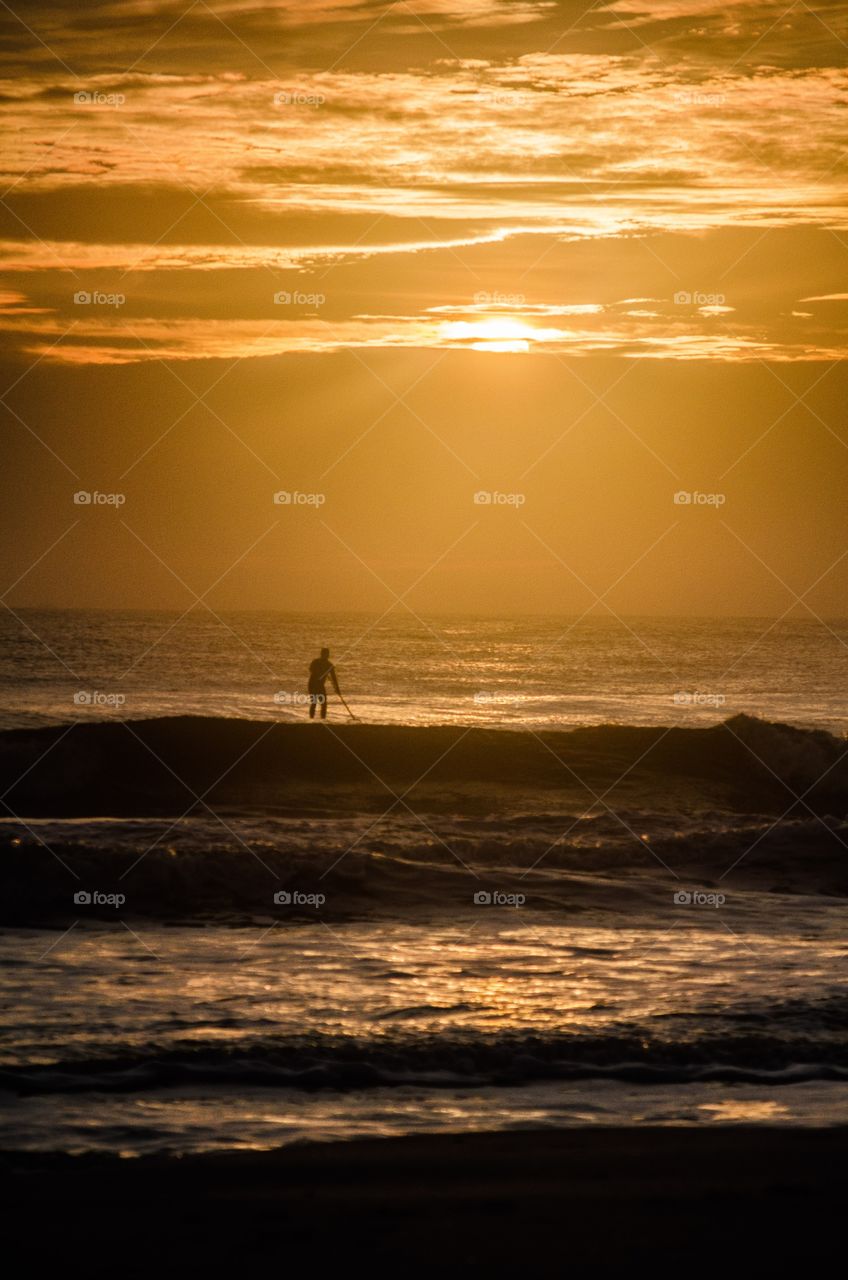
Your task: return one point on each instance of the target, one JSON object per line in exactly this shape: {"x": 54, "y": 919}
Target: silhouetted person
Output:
{"x": 319, "y": 671}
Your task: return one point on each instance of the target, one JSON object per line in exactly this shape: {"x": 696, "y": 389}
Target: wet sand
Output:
{"x": 712, "y": 1201}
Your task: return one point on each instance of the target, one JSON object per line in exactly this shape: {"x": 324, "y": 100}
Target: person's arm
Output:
{"x": 335, "y": 681}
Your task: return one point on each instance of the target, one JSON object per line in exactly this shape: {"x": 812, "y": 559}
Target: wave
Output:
{"x": 228, "y": 814}
{"x": 171, "y": 764}
{"x": 445, "y": 1062}
{"x": 329, "y": 870}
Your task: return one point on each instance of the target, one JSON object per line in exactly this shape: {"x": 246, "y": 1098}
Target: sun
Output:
{"x": 494, "y": 334}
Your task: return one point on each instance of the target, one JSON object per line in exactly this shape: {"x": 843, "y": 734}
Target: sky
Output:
{"x": 488, "y": 306}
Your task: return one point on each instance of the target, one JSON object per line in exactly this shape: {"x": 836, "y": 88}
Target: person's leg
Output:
{"x": 311, "y": 705}
{"x": 324, "y": 706}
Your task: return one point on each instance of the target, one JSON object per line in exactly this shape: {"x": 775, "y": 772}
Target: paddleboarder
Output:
{"x": 320, "y": 670}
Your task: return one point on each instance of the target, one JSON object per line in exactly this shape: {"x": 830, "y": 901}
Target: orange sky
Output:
{"x": 390, "y": 256}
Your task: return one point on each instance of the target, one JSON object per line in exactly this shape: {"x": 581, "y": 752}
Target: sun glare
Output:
{"x": 494, "y": 334}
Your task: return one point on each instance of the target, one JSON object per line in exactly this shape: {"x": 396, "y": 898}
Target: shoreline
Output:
{"x": 604, "y": 1198}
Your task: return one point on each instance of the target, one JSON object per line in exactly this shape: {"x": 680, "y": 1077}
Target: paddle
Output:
{"x": 346, "y": 707}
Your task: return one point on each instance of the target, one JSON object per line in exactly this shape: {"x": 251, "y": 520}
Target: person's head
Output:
{"x": 325, "y": 653}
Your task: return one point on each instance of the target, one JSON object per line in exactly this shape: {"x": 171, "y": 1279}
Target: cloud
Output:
{"x": 489, "y": 142}
{"x": 299, "y": 13}
{"x": 153, "y": 179}
{"x": 96, "y": 336}
{"x": 643, "y": 11}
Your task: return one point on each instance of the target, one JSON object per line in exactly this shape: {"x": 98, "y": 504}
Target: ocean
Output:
{"x": 532, "y": 672}
{"x": 558, "y": 872}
